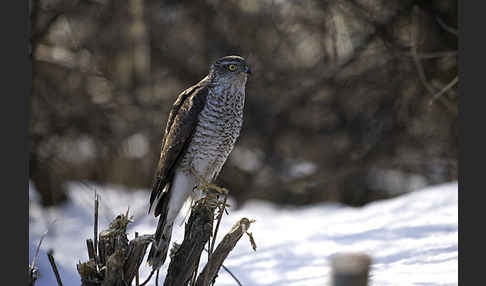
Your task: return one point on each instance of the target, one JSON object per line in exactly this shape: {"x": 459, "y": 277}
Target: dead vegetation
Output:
{"x": 115, "y": 260}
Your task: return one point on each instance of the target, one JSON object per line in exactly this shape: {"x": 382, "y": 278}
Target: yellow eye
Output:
{"x": 232, "y": 67}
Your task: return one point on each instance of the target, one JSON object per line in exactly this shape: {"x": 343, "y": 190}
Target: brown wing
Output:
{"x": 180, "y": 127}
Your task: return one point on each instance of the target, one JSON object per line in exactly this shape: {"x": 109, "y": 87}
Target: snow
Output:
{"x": 412, "y": 239}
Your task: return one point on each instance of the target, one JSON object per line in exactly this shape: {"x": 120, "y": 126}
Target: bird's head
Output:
{"x": 230, "y": 69}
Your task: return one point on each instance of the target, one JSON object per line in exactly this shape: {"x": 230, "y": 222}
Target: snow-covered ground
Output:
{"x": 412, "y": 239}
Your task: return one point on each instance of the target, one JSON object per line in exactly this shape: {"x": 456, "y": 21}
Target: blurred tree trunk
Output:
{"x": 48, "y": 185}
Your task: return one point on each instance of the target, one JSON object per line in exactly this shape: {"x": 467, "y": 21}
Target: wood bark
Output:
{"x": 196, "y": 235}
{"x": 210, "y": 271}
{"x": 117, "y": 260}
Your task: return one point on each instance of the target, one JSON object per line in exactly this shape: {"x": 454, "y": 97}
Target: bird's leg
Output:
{"x": 212, "y": 192}
{"x": 208, "y": 187}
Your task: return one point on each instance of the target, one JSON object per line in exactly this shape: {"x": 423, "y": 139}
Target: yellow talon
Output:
{"x": 206, "y": 186}
{"x": 212, "y": 192}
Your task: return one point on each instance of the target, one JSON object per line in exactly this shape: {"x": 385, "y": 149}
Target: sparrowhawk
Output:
{"x": 202, "y": 128}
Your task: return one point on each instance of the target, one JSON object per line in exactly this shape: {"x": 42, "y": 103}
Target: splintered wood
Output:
{"x": 185, "y": 259}
{"x": 115, "y": 260}
{"x": 224, "y": 247}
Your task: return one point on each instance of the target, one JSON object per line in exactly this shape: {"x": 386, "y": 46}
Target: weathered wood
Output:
{"x": 115, "y": 236}
{"x": 89, "y": 273}
{"x": 101, "y": 253}
{"x": 229, "y": 241}
{"x": 95, "y": 226}
{"x": 137, "y": 276}
{"x": 90, "y": 247}
{"x": 350, "y": 269}
{"x": 33, "y": 271}
{"x": 220, "y": 216}
{"x": 197, "y": 232}
{"x": 118, "y": 258}
{"x": 54, "y": 267}
{"x": 33, "y": 275}
{"x": 114, "y": 269}
{"x": 135, "y": 254}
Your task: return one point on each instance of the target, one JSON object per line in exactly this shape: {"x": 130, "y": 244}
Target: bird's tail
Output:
{"x": 160, "y": 247}
{"x": 167, "y": 205}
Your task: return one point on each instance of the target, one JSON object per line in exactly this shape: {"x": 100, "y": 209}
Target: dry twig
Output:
{"x": 118, "y": 259}
{"x": 54, "y": 267}
{"x": 444, "y": 89}
{"x": 420, "y": 69}
{"x": 95, "y": 227}
{"x": 446, "y": 27}
{"x": 33, "y": 272}
{"x": 225, "y": 246}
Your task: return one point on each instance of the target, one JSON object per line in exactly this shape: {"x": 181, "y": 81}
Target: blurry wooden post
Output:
{"x": 350, "y": 269}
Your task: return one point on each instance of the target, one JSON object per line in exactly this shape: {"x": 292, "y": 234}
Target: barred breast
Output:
{"x": 218, "y": 128}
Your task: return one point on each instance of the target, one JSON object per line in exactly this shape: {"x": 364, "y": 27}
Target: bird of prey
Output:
{"x": 201, "y": 131}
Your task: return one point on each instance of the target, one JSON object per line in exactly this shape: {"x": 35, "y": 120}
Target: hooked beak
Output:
{"x": 248, "y": 70}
